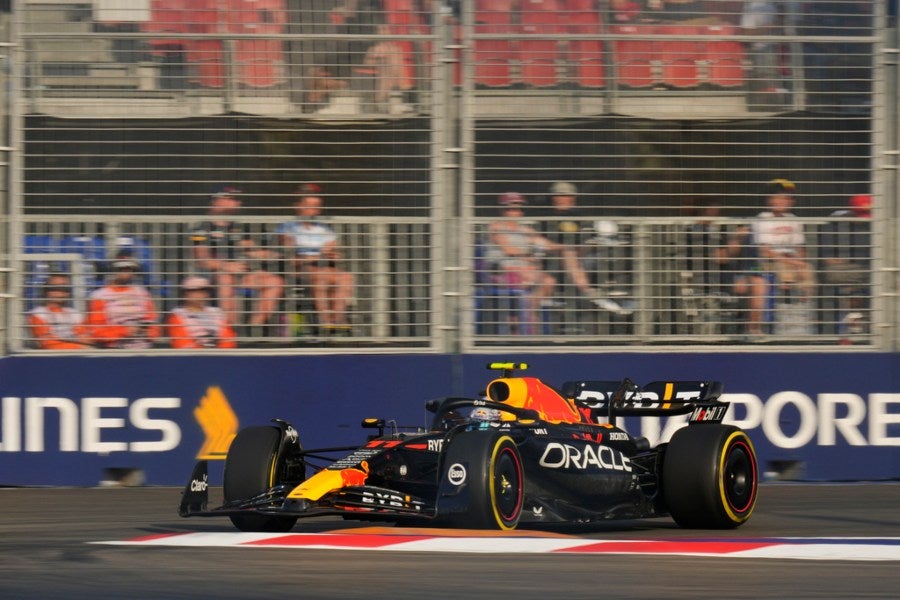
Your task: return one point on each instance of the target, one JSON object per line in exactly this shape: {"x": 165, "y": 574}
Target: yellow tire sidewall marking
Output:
{"x": 493, "y": 483}
{"x": 721, "y": 477}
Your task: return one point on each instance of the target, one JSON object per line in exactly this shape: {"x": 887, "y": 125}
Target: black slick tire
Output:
{"x": 250, "y": 469}
{"x": 495, "y": 478}
{"x": 710, "y": 477}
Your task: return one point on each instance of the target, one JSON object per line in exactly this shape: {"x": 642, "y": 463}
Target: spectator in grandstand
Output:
{"x": 782, "y": 241}
{"x": 515, "y": 254}
{"x": 56, "y": 325}
{"x": 196, "y": 324}
{"x": 566, "y": 226}
{"x": 846, "y": 250}
{"x": 226, "y": 254}
{"x": 121, "y": 314}
{"x": 387, "y": 61}
{"x": 723, "y": 263}
{"x": 739, "y": 265}
{"x": 703, "y": 239}
{"x": 355, "y": 18}
{"x": 314, "y": 252}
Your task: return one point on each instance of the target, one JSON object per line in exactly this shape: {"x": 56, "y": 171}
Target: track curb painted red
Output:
{"x": 852, "y": 549}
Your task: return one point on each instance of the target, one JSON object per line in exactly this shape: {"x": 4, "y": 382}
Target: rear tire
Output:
{"x": 250, "y": 469}
{"x": 710, "y": 477}
{"x": 495, "y": 478}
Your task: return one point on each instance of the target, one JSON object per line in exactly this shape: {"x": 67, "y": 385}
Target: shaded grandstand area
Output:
{"x": 623, "y": 165}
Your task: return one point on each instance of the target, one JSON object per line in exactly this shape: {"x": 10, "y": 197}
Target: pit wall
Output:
{"x": 74, "y": 421}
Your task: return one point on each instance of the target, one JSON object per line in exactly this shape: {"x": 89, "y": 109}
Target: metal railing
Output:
{"x": 411, "y": 167}
{"x": 665, "y": 280}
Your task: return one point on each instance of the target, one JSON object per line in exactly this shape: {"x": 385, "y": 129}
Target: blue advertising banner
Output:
{"x": 64, "y": 420}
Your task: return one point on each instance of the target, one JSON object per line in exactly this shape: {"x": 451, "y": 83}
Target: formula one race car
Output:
{"x": 523, "y": 453}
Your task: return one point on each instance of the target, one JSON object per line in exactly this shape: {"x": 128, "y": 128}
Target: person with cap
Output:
{"x": 195, "y": 324}
{"x": 224, "y": 252}
{"x": 314, "y": 252}
{"x": 121, "y": 314}
{"x": 515, "y": 253}
{"x": 781, "y": 241}
{"x": 56, "y": 325}
{"x": 569, "y": 229}
{"x": 846, "y": 251}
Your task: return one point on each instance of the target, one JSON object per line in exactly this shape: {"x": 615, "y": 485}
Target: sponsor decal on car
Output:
{"x": 200, "y": 485}
{"x": 456, "y": 474}
{"x": 708, "y": 413}
{"x": 390, "y": 499}
{"x": 566, "y": 456}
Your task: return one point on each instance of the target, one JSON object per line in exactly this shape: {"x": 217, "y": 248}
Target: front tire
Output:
{"x": 250, "y": 469}
{"x": 495, "y": 480}
{"x": 710, "y": 477}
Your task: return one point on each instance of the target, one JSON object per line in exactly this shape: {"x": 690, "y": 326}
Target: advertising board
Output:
{"x": 69, "y": 420}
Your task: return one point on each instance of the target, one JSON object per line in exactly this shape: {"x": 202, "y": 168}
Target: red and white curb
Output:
{"x": 854, "y": 549}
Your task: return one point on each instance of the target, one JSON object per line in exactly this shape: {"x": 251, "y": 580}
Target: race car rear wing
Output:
{"x": 608, "y": 399}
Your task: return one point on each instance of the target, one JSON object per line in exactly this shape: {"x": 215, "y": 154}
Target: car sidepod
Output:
{"x": 573, "y": 475}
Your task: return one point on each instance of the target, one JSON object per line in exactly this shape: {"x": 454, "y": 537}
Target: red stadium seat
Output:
{"x": 587, "y": 56}
{"x": 540, "y": 58}
{"x": 493, "y": 58}
{"x": 725, "y": 59}
{"x": 166, "y": 16}
{"x": 260, "y": 63}
{"x": 634, "y": 58}
{"x": 680, "y": 59}
{"x": 205, "y": 54}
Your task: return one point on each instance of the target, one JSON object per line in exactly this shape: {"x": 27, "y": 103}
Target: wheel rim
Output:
{"x": 507, "y": 485}
{"x": 739, "y": 477}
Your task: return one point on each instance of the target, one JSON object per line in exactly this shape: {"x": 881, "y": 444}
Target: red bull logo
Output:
{"x": 351, "y": 477}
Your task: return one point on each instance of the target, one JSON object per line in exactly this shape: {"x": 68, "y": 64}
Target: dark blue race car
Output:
{"x": 524, "y": 452}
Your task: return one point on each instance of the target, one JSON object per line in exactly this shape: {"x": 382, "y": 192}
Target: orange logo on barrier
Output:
{"x": 219, "y": 424}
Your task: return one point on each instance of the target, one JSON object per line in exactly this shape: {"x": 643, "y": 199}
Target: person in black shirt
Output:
{"x": 567, "y": 227}
{"x": 226, "y": 254}
{"x": 846, "y": 253}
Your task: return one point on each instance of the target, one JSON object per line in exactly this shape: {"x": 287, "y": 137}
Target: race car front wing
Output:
{"x": 374, "y": 500}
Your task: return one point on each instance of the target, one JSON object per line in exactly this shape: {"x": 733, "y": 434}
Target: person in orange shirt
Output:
{"x": 55, "y": 325}
{"x": 121, "y": 314}
{"x": 196, "y": 324}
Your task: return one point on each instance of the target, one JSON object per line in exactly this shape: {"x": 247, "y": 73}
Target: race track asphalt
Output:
{"x": 46, "y": 552}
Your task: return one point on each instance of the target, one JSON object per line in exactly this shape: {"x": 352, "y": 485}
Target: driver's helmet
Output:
{"x": 482, "y": 413}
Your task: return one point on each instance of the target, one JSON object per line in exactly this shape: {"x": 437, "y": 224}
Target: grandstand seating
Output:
{"x": 635, "y": 58}
{"x": 680, "y": 59}
{"x": 494, "y": 58}
{"x": 260, "y": 62}
{"x": 93, "y": 252}
{"x": 725, "y": 59}
{"x": 527, "y": 58}
{"x": 586, "y": 56}
{"x": 540, "y": 58}
{"x": 36, "y": 271}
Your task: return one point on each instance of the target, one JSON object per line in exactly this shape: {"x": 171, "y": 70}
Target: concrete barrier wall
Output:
{"x": 78, "y": 420}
